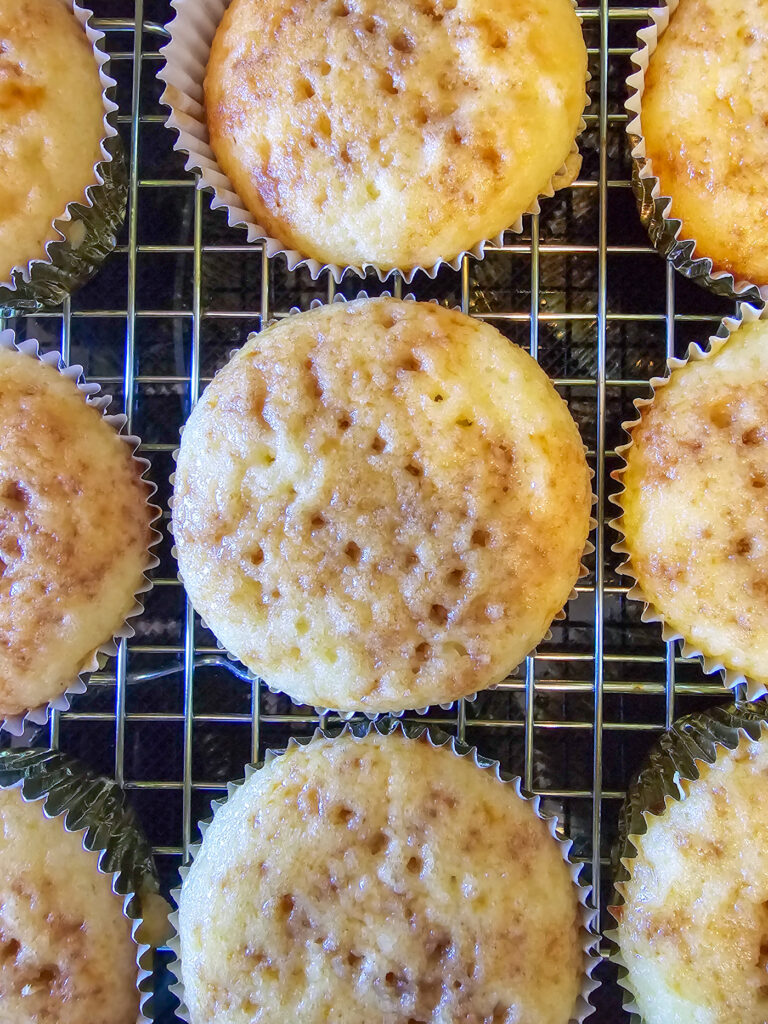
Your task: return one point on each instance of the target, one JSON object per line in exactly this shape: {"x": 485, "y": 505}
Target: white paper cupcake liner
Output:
{"x": 692, "y": 740}
{"x": 745, "y": 314}
{"x": 92, "y": 396}
{"x": 191, "y": 35}
{"x": 436, "y": 738}
{"x": 656, "y": 213}
{"x": 87, "y": 229}
{"x": 94, "y": 806}
{"x": 348, "y": 716}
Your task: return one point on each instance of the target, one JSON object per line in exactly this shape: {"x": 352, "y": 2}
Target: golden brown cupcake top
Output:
{"x": 51, "y": 123}
{"x": 380, "y": 505}
{"x": 693, "y": 929}
{"x": 695, "y": 514}
{"x": 393, "y": 132}
{"x": 74, "y": 531}
{"x": 704, "y": 115}
{"x": 66, "y": 950}
{"x": 381, "y": 880}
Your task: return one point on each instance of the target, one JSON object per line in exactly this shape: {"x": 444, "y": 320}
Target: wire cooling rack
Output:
{"x": 581, "y": 288}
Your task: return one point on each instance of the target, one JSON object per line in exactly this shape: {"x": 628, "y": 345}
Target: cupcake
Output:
{"x": 697, "y": 124}
{"x": 74, "y": 529}
{"x": 76, "y": 882}
{"x": 693, "y": 508}
{"x": 385, "y": 878}
{"x": 380, "y": 505}
{"x": 390, "y": 135}
{"x": 693, "y": 882}
{"x": 57, "y": 149}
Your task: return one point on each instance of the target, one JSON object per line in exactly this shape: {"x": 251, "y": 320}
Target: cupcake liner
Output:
{"x": 692, "y": 740}
{"x": 186, "y": 55}
{"x": 94, "y": 806}
{"x": 731, "y": 678}
{"x": 436, "y": 738}
{"x": 92, "y": 395}
{"x": 87, "y": 229}
{"x": 348, "y": 716}
{"x": 655, "y": 209}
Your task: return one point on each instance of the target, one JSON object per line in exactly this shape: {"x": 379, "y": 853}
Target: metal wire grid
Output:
{"x": 169, "y": 717}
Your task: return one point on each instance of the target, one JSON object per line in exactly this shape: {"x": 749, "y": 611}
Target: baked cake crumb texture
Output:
{"x": 380, "y": 504}
{"x": 379, "y": 879}
{"x": 694, "y": 928}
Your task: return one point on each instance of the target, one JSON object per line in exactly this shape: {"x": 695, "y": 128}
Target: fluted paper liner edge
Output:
{"x": 70, "y": 260}
{"x": 95, "y": 807}
{"x": 93, "y": 397}
{"x": 395, "y": 712}
{"x": 656, "y": 210}
{"x": 191, "y": 35}
{"x": 436, "y": 738}
{"x": 695, "y": 739}
{"x": 711, "y": 665}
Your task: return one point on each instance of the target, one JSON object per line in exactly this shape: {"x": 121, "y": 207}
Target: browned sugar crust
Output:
{"x": 380, "y": 504}
{"x": 74, "y": 532}
{"x": 379, "y": 879}
{"x": 704, "y": 116}
{"x": 66, "y": 951}
{"x": 393, "y": 132}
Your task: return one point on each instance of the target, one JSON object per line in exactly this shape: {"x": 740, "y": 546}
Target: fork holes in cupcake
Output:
{"x": 353, "y": 552}
{"x": 9, "y": 950}
{"x": 491, "y": 156}
{"x": 410, "y": 364}
{"x": 454, "y": 648}
{"x": 323, "y": 127}
{"x": 403, "y": 42}
{"x": 15, "y": 493}
{"x": 342, "y": 815}
{"x": 438, "y": 613}
{"x": 421, "y": 653}
{"x": 388, "y": 83}
{"x": 378, "y": 842}
{"x": 304, "y": 90}
{"x": 285, "y": 906}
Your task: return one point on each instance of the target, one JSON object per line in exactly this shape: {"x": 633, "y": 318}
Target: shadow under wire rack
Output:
{"x": 581, "y": 288}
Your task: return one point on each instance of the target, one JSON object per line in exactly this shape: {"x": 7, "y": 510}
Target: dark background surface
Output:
{"x": 173, "y": 742}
